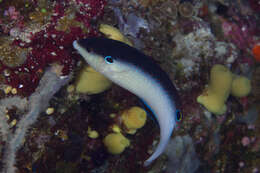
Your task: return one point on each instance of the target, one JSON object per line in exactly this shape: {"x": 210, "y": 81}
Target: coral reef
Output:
{"x": 38, "y": 101}
{"x": 45, "y": 127}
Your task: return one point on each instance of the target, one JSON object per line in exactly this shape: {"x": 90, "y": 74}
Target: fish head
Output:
{"x": 102, "y": 55}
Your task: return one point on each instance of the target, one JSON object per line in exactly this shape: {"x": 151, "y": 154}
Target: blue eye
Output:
{"x": 109, "y": 59}
{"x": 178, "y": 115}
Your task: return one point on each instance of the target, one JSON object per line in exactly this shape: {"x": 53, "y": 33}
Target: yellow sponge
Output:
{"x": 113, "y": 33}
{"x": 134, "y": 118}
{"x": 116, "y": 143}
{"x": 216, "y": 94}
{"x": 91, "y": 82}
{"x": 241, "y": 86}
{"x": 92, "y": 133}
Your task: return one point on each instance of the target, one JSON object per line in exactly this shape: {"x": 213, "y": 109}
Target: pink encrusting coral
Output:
{"x": 241, "y": 33}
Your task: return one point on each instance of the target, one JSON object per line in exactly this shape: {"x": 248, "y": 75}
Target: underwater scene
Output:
{"x": 129, "y": 86}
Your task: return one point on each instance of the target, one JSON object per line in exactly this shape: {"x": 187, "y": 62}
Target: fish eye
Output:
{"x": 178, "y": 115}
{"x": 109, "y": 59}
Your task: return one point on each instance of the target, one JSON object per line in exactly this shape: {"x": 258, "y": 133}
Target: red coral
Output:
{"x": 241, "y": 32}
{"x": 52, "y": 46}
{"x": 91, "y": 8}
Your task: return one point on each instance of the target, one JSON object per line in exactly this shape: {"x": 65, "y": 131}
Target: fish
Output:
{"x": 132, "y": 70}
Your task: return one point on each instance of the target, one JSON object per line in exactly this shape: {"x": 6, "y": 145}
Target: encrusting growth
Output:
{"x": 50, "y": 83}
{"x": 222, "y": 83}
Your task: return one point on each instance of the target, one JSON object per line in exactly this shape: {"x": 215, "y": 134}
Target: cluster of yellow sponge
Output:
{"x": 222, "y": 83}
{"x": 132, "y": 119}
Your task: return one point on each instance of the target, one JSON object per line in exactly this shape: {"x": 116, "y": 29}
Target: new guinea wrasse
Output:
{"x": 139, "y": 74}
